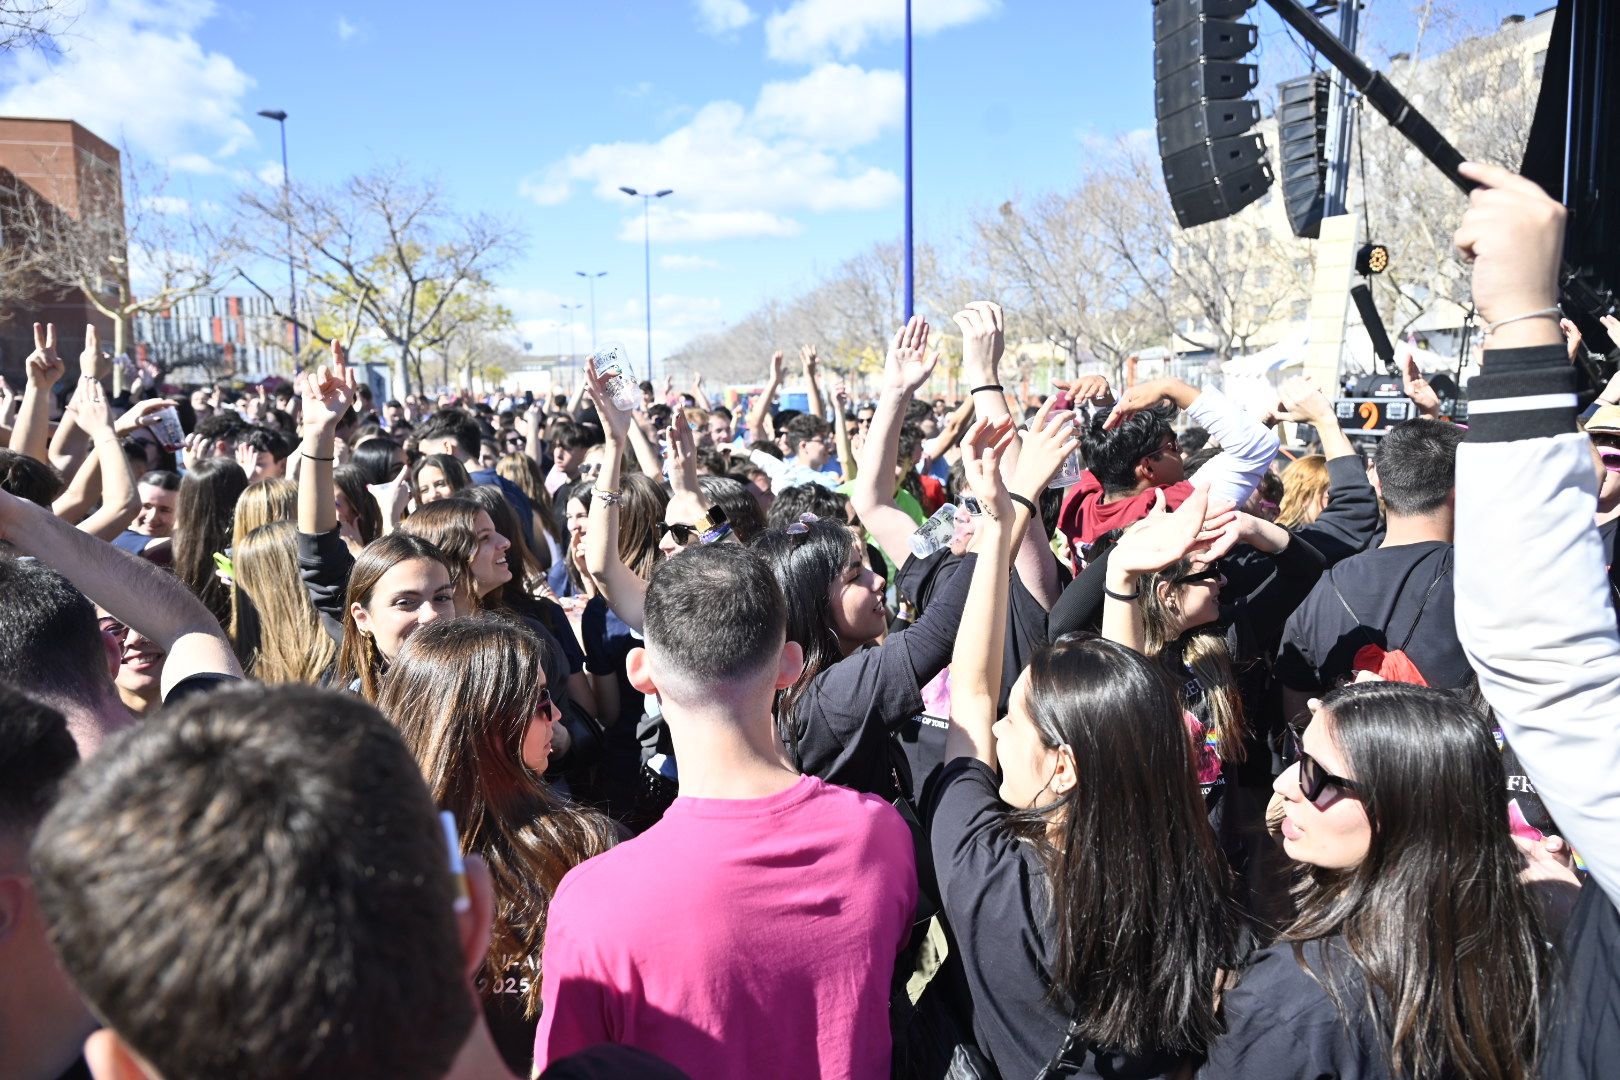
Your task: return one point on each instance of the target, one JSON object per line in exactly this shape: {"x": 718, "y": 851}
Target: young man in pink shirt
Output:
{"x": 753, "y": 931}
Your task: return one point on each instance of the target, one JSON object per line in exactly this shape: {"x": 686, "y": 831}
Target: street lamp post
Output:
{"x": 571, "y": 308}
{"x": 280, "y": 117}
{"x": 910, "y": 286}
{"x": 590, "y": 278}
{"x": 646, "y": 233}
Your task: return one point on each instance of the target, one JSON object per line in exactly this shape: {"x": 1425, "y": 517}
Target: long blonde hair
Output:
{"x": 263, "y": 503}
{"x": 1304, "y": 481}
{"x": 275, "y": 628}
{"x": 1203, "y": 650}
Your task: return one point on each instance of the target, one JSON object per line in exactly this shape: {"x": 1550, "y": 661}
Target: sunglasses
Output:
{"x": 516, "y": 440}
{"x": 591, "y": 469}
{"x": 1209, "y": 573}
{"x": 1313, "y": 779}
{"x": 684, "y": 534}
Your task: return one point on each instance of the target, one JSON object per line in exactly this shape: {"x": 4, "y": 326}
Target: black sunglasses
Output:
{"x": 1209, "y": 573}
{"x": 684, "y": 534}
{"x": 1313, "y": 779}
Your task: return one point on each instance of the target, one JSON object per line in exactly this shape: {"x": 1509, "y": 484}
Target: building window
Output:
{"x": 1301, "y": 310}
{"x": 1541, "y": 63}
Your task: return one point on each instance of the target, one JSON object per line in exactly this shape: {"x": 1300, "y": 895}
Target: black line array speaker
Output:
{"x": 1302, "y": 108}
{"x": 1213, "y": 165}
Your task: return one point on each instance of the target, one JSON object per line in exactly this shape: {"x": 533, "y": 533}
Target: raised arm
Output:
{"x": 907, "y": 367}
{"x": 132, "y": 590}
{"x": 1152, "y": 544}
{"x": 1534, "y": 612}
{"x": 950, "y": 432}
{"x": 32, "y": 435}
{"x": 686, "y": 500}
{"x": 1350, "y": 520}
{"x": 846, "y": 451}
{"x": 759, "y": 413}
{"x": 72, "y": 438}
{"x": 981, "y": 640}
{"x": 818, "y": 406}
{"x": 327, "y": 394}
{"x": 624, "y": 592}
{"x": 119, "y": 501}
{"x": 1045, "y": 446}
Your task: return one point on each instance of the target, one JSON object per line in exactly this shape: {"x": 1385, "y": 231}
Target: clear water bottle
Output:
{"x": 935, "y": 533}
{"x": 613, "y": 367}
{"x": 1068, "y": 473}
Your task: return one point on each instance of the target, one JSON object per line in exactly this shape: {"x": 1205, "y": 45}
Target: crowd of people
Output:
{"x": 493, "y": 737}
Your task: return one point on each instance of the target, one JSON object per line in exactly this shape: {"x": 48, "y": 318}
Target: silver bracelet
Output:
{"x": 609, "y": 498}
{"x": 1554, "y": 312}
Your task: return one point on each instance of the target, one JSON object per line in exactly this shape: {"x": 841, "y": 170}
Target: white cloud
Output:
{"x": 166, "y": 204}
{"x": 723, "y": 16}
{"x": 812, "y": 30}
{"x": 131, "y": 71}
{"x": 270, "y": 174}
{"x": 346, "y": 29}
{"x": 739, "y": 172}
{"x": 687, "y": 262}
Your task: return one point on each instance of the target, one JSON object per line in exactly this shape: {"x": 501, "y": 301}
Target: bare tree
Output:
{"x": 130, "y": 248}
{"x": 32, "y": 24}
{"x": 385, "y": 243}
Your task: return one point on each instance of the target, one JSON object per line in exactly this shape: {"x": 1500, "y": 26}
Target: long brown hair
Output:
{"x": 1304, "y": 481}
{"x": 1435, "y": 917}
{"x": 203, "y": 516}
{"x": 358, "y": 658}
{"x": 463, "y": 693}
{"x": 522, "y": 470}
{"x": 527, "y": 576}
{"x": 639, "y": 514}
{"x": 1203, "y": 650}
{"x": 277, "y": 633}
{"x": 1140, "y": 918}
{"x": 451, "y": 525}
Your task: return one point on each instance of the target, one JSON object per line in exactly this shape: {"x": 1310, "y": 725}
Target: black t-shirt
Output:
{"x": 503, "y": 1002}
{"x": 993, "y": 887}
{"x": 1402, "y": 598}
{"x": 200, "y": 683}
{"x": 1282, "y": 1025}
{"x": 1583, "y": 1036}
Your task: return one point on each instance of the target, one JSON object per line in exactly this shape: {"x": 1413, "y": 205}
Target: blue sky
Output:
{"x": 777, "y": 122}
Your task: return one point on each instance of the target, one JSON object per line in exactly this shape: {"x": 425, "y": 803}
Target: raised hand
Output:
{"x": 982, "y": 340}
{"x": 1163, "y": 538}
{"x": 983, "y": 447}
{"x": 328, "y": 392}
{"x": 1091, "y": 389}
{"x": 841, "y": 396}
{"x": 1417, "y": 387}
{"x": 682, "y": 453}
{"x": 1135, "y": 399}
{"x": 90, "y": 407}
{"x": 1051, "y": 438}
{"x": 142, "y": 415}
{"x": 909, "y": 365}
{"x": 776, "y": 368}
{"x": 43, "y": 365}
{"x": 93, "y": 363}
{"x": 1303, "y": 401}
{"x": 807, "y": 356}
{"x": 615, "y": 421}
{"x": 1572, "y": 339}
{"x": 392, "y": 496}
{"x": 1513, "y": 234}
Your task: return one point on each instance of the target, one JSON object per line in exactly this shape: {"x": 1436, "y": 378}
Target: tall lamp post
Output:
{"x": 280, "y": 117}
{"x": 570, "y": 309}
{"x": 646, "y": 232}
{"x": 591, "y": 280}
{"x": 910, "y": 286}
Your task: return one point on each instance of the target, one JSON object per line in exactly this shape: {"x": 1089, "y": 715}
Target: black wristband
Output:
{"x": 997, "y": 387}
{"x": 1021, "y": 501}
{"x": 1125, "y": 598}
{"x": 312, "y": 457}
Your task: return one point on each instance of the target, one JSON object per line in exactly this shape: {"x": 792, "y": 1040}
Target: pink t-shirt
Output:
{"x": 737, "y": 938}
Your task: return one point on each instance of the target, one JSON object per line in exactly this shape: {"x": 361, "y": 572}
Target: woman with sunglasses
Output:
{"x": 1418, "y": 951}
{"x": 1076, "y": 868}
{"x": 1164, "y": 600}
{"x": 472, "y": 700}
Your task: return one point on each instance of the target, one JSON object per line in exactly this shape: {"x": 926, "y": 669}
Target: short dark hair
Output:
{"x": 305, "y": 901}
{"x": 223, "y": 426}
{"x": 265, "y": 440}
{"x": 1192, "y": 440}
{"x": 1112, "y": 456}
{"x": 809, "y": 498}
{"x": 36, "y": 752}
{"x": 30, "y": 479}
{"x": 715, "y": 614}
{"x": 739, "y": 505}
{"x": 51, "y": 644}
{"x": 452, "y": 424}
{"x": 721, "y": 410}
{"x": 1417, "y": 465}
{"x": 166, "y": 479}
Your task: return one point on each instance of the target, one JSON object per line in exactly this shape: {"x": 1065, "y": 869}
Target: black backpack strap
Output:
{"x": 1444, "y": 573}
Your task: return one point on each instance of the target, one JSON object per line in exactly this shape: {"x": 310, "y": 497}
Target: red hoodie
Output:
{"x": 1084, "y": 517}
